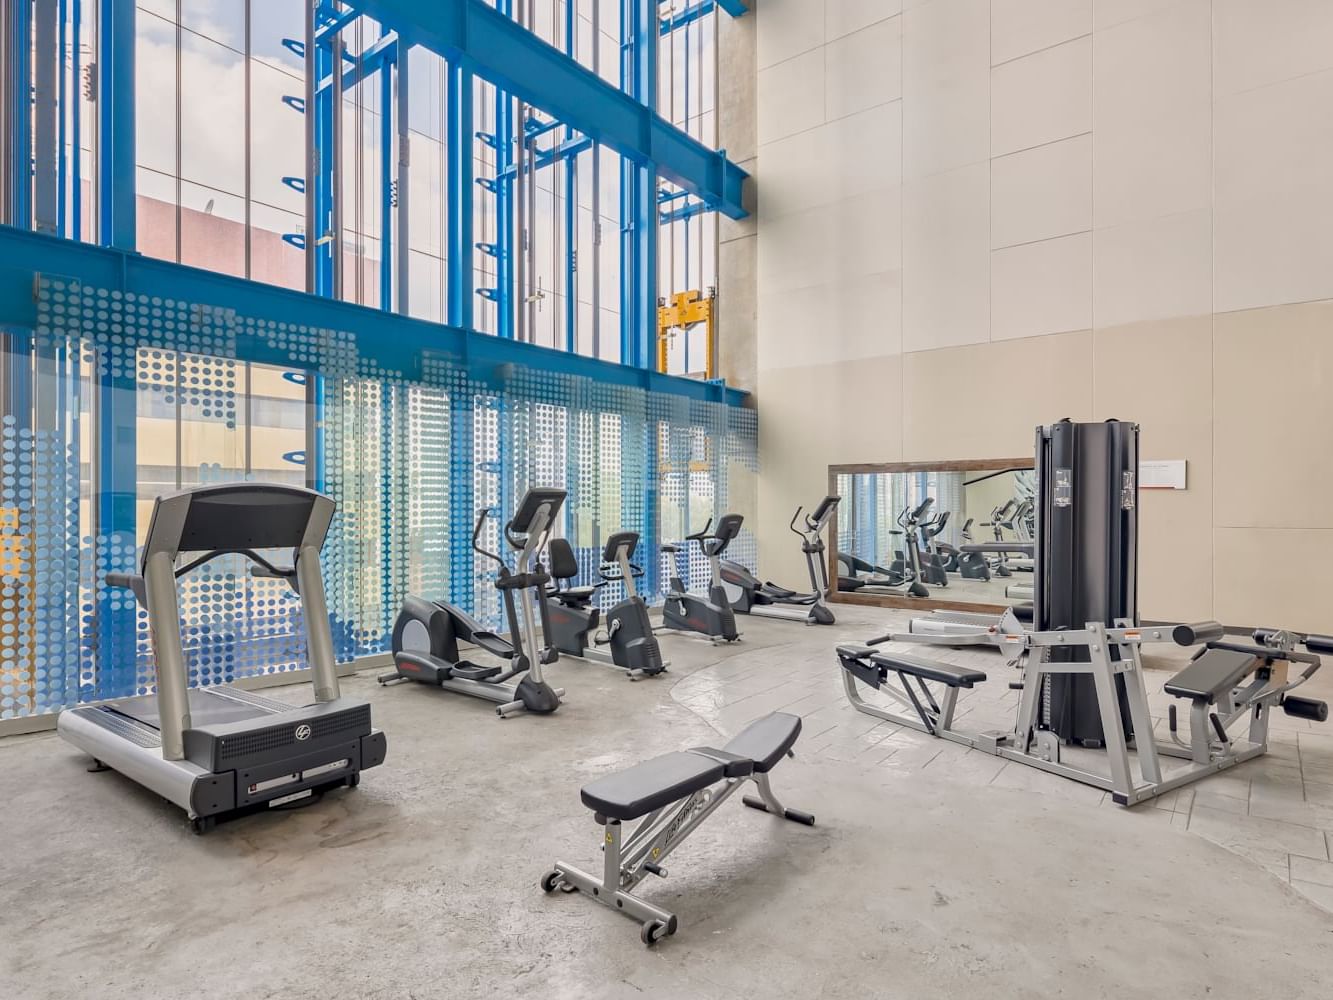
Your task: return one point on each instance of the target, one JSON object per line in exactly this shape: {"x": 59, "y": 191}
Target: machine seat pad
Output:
{"x": 930, "y": 670}
{"x": 654, "y": 784}
{"x": 766, "y": 741}
{"x": 1215, "y": 672}
{"x": 573, "y": 596}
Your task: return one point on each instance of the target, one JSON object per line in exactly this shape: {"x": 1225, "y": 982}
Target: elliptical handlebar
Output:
{"x": 484, "y": 513}
{"x": 795, "y": 530}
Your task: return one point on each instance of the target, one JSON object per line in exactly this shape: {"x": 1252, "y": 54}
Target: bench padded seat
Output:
{"x": 659, "y": 782}
{"x": 1215, "y": 672}
{"x": 930, "y": 670}
{"x": 766, "y": 741}
{"x": 655, "y": 783}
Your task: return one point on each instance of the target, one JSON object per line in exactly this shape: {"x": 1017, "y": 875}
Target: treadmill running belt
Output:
{"x": 207, "y": 708}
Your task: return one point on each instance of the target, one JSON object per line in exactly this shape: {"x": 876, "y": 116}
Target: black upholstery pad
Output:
{"x": 651, "y": 785}
{"x": 930, "y": 670}
{"x": 766, "y": 740}
{"x": 1215, "y": 672}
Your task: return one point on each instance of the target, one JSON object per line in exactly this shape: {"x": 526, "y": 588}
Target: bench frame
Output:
{"x": 628, "y": 860}
{"x": 1113, "y": 652}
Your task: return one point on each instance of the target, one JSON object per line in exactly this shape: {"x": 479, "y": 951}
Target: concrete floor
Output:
{"x": 933, "y": 871}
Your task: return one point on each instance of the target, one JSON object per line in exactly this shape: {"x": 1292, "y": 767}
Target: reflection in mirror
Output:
{"x": 945, "y": 535}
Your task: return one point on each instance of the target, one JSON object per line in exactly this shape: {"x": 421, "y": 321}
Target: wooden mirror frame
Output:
{"x": 881, "y": 468}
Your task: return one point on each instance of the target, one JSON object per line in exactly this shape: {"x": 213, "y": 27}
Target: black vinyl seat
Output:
{"x": 915, "y": 666}
{"x": 657, "y": 783}
{"x": 564, "y": 566}
{"x": 1215, "y": 672}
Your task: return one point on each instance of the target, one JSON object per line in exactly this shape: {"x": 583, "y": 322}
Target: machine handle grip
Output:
{"x": 126, "y": 580}
{"x": 1196, "y": 632}
{"x": 880, "y": 639}
{"x": 700, "y": 535}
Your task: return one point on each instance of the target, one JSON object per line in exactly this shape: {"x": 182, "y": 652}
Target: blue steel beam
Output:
{"x": 736, "y": 8}
{"x": 491, "y": 45}
{"x": 638, "y": 194}
{"x": 388, "y": 340}
{"x": 459, "y": 213}
{"x": 115, "y": 124}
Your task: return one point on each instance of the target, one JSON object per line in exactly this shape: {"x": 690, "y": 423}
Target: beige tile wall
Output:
{"x": 980, "y": 215}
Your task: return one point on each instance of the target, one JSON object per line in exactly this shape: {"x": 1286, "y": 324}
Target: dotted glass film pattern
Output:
{"x": 114, "y": 398}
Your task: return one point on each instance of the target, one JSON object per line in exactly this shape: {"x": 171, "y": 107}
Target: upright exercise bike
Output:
{"x": 628, "y": 642}
{"x": 709, "y": 616}
{"x": 748, "y": 595}
{"x": 427, "y": 633}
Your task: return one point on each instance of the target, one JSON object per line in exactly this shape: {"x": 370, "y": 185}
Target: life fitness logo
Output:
{"x": 302, "y": 733}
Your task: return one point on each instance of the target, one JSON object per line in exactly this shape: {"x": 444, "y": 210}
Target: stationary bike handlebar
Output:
{"x": 792, "y": 526}
{"x": 699, "y": 536}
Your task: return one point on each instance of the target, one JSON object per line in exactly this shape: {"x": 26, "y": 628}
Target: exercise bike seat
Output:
{"x": 493, "y": 644}
{"x": 572, "y": 596}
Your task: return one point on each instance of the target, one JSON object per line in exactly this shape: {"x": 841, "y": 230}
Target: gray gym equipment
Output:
{"x": 711, "y": 616}
{"x": 628, "y": 642}
{"x": 748, "y": 595}
{"x": 673, "y": 794}
{"x": 427, "y": 634}
{"x": 221, "y": 751}
{"x": 904, "y": 577}
{"x": 1225, "y": 683}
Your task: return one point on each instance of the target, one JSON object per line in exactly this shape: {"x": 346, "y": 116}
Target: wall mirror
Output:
{"x": 933, "y": 535}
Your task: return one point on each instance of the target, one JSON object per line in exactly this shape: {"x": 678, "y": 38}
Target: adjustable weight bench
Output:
{"x": 672, "y": 795}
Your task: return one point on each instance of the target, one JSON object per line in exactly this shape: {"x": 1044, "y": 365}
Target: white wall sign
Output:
{"x": 1166, "y": 474}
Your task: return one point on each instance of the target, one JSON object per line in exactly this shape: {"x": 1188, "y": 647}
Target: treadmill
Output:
{"x": 222, "y": 751}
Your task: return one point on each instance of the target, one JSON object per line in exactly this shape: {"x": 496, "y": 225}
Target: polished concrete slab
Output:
{"x": 933, "y": 871}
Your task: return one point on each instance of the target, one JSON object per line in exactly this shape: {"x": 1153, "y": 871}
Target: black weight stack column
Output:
{"x": 1086, "y": 556}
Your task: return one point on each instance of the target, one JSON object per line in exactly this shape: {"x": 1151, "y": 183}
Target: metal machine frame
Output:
{"x": 748, "y": 595}
{"x": 1114, "y": 664}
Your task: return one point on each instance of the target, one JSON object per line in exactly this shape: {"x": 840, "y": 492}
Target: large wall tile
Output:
{"x": 1056, "y": 381}
{"x": 1273, "y": 183}
{"x": 1042, "y": 192}
{"x": 1158, "y": 163}
{"x": 1040, "y": 288}
{"x": 1158, "y": 269}
{"x": 845, "y": 158}
{"x": 1272, "y": 577}
{"x": 791, "y": 96}
{"x": 946, "y": 85}
{"x": 1274, "y": 418}
{"x": 787, "y": 28}
{"x": 1138, "y": 375}
{"x": 850, "y": 318}
{"x": 860, "y": 235}
{"x": 946, "y": 259}
{"x": 1019, "y": 27}
{"x": 864, "y": 69}
{"x": 1153, "y": 63}
{"x": 842, "y": 17}
{"x": 1255, "y": 44}
{"x": 1107, "y": 13}
{"x": 1042, "y": 97}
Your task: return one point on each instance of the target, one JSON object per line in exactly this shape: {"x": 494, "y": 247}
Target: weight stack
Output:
{"x": 1086, "y": 556}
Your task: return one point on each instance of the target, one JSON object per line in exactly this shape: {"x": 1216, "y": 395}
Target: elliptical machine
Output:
{"x": 427, "y": 633}
{"x": 903, "y": 577}
{"x": 748, "y": 595}
{"x": 709, "y": 616}
{"x": 629, "y": 639}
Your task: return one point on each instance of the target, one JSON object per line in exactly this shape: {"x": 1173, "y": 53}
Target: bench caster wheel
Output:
{"x": 551, "y": 881}
{"x": 201, "y": 825}
{"x": 653, "y": 931}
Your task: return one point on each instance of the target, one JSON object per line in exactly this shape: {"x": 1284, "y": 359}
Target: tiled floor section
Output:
{"x": 1277, "y": 811}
